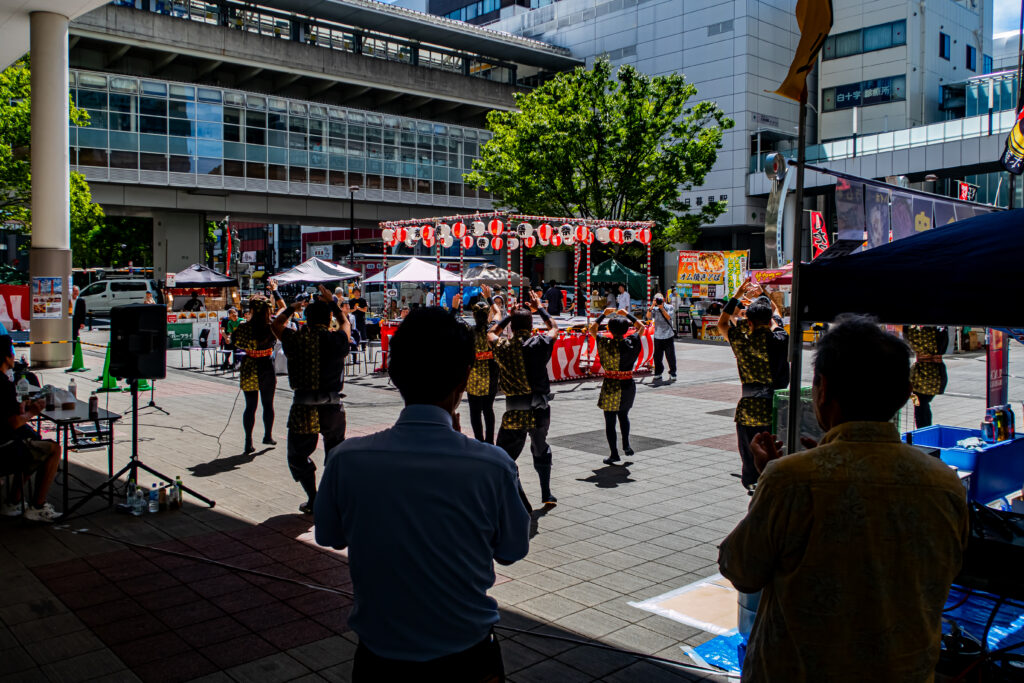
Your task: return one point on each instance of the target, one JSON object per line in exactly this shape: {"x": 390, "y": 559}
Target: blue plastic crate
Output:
{"x": 998, "y": 469}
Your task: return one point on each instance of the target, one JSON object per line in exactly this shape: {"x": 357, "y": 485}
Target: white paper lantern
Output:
{"x": 386, "y": 234}
{"x": 568, "y": 239}
{"x": 444, "y": 230}
{"x": 602, "y": 235}
{"x": 628, "y": 235}
{"x": 513, "y": 243}
{"x": 410, "y": 242}
{"x": 447, "y": 241}
{"x": 525, "y": 229}
{"x": 415, "y": 233}
{"x": 483, "y": 242}
{"x": 479, "y": 228}
{"x": 565, "y": 231}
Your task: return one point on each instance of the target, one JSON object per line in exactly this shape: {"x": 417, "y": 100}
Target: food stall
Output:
{"x": 217, "y": 291}
{"x": 707, "y": 277}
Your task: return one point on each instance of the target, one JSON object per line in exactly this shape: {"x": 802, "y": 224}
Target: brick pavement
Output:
{"x": 78, "y": 607}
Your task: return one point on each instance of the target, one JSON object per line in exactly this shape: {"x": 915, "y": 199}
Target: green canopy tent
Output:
{"x": 611, "y": 271}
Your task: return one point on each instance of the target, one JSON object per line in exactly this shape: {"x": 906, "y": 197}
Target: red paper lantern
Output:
{"x": 401, "y": 234}
{"x": 643, "y": 235}
{"x": 581, "y": 233}
{"x": 459, "y": 230}
{"x": 467, "y": 241}
{"x": 615, "y": 234}
{"x": 497, "y": 243}
{"x": 428, "y": 242}
{"x": 556, "y": 240}
{"x": 530, "y": 241}
{"x": 544, "y": 231}
{"x": 495, "y": 227}
{"x": 427, "y": 233}
{"x": 588, "y": 237}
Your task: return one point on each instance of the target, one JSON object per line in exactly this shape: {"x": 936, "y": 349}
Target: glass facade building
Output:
{"x": 165, "y": 133}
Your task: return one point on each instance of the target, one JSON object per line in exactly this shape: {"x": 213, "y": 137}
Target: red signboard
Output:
{"x": 997, "y": 364}
{"x": 819, "y": 235}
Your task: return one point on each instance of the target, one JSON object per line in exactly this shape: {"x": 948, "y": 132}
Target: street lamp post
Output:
{"x": 352, "y": 223}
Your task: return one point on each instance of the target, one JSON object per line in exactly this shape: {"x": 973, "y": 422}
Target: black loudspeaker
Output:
{"x": 138, "y": 341}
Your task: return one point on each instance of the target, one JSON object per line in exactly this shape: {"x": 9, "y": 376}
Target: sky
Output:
{"x": 1006, "y": 15}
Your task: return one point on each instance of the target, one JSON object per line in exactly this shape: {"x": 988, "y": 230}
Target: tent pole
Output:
{"x": 647, "y": 301}
{"x": 796, "y": 335}
{"x": 387, "y": 299}
{"x": 576, "y": 276}
{"x": 462, "y": 259}
{"x": 522, "y": 257}
{"x": 437, "y": 287}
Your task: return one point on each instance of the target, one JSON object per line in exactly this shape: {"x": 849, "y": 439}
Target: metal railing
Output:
{"x": 264, "y": 21}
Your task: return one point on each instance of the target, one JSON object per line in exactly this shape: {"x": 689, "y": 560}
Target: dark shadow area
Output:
{"x": 610, "y": 477}
{"x": 227, "y": 464}
{"x": 178, "y": 595}
{"x": 535, "y": 516}
{"x": 594, "y": 442}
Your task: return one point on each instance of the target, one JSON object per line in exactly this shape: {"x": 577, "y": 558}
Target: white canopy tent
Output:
{"x": 413, "y": 270}
{"x": 315, "y": 270}
{"x": 490, "y": 274}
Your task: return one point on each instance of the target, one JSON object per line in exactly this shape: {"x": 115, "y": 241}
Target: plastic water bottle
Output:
{"x": 131, "y": 493}
{"x": 22, "y": 388}
{"x": 178, "y": 486}
{"x": 154, "y": 499}
{"x": 73, "y": 388}
{"x": 137, "y": 503}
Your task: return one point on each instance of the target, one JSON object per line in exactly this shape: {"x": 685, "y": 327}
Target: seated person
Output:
{"x": 194, "y": 303}
{"x": 21, "y": 447}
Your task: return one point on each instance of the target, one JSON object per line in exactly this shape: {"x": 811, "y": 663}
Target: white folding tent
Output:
{"x": 316, "y": 270}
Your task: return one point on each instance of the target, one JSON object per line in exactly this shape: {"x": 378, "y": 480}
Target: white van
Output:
{"x": 100, "y": 297}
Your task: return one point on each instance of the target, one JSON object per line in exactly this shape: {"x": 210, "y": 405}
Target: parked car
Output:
{"x": 101, "y": 296}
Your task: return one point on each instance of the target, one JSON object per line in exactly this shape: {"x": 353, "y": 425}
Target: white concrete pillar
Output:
{"x": 51, "y": 230}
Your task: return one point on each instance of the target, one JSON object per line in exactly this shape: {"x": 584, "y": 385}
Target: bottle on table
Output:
{"x": 73, "y": 388}
{"x": 94, "y": 406}
{"x": 154, "y": 499}
{"x": 181, "y": 495}
{"x": 131, "y": 493}
{"x": 22, "y": 388}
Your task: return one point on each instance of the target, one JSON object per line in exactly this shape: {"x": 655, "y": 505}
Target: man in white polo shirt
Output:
{"x": 424, "y": 512}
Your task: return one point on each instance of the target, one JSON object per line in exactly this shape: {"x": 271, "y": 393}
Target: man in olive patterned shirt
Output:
{"x": 757, "y": 341}
{"x": 853, "y": 543}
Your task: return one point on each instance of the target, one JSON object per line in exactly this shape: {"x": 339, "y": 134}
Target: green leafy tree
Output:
{"x": 15, "y": 169}
{"x": 588, "y": 144}
{"x": 114, "y": 241}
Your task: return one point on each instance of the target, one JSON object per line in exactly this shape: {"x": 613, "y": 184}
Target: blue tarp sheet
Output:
{"x": 1007, "y": 628}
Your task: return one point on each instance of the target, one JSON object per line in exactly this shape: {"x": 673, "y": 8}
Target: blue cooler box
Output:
{"x": 998, "y": 468}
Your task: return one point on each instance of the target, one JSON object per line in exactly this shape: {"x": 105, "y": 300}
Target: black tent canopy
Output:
{"x": 967, "y": 273}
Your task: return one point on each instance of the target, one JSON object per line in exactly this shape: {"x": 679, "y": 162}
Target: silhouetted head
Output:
{"x": 429, "y": 357}
{"x": 618, "y": 326}
{"x": 318, "y": 313}
{"x": 861, "y": 373}
{"x": 759, "y": 311}
{"x": 522, "y": 321}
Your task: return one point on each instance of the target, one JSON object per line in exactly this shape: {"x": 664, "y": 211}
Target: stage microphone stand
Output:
{"x": 134, "y": 464}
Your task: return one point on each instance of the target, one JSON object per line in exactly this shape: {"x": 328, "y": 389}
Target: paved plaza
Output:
{"x": 119, "y": 598}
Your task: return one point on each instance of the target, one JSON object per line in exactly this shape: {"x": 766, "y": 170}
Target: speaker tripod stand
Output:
{"x": 134, "y": 464}
{"x": 152, "y": 404}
